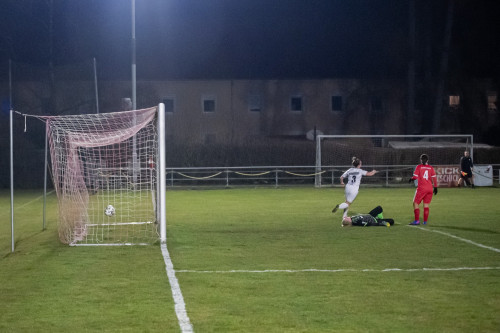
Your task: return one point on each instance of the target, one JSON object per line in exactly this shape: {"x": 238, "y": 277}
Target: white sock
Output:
{"x": 345, "y": 212}
{"x": 343, "y": 205}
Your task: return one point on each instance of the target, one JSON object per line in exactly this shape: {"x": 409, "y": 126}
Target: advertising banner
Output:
{"x": 483, "y": 175}
{"x": 448, "y": 175}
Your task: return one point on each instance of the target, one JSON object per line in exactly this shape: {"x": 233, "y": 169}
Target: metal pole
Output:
{"x": 135, "y": 162}
{"x": 95, "y": 87}
{"x": 134, "y": 90}
{"x": 10, "y": 84}
{"x": 11, "y": 129}
{"x": 162, "y": 173}
{"x": 45, "y": 184}
{"x": 11, "y": 122}
{"x": 317, "y": 180}
{"x": 472, "y": 147}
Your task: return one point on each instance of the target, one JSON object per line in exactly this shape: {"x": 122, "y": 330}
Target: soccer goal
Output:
{"x": 394, "y": 155}
{"x": 108, "y": 171}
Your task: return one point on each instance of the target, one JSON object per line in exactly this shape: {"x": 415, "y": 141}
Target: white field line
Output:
{"x": 180, "y": 306}
{"x": 342, "y": 270}
{"x": 25, "y": 204}
{"x": 459, "y": 238}
{"x": 111, "y": 244}
{"x": 368, "y": 269}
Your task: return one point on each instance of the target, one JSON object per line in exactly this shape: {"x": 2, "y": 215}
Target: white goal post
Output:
{"x": 109, "y": 171}
{"x": 396, "y": 155}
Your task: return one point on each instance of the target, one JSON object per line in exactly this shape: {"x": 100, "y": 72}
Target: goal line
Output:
{"x": 342, "y": 270}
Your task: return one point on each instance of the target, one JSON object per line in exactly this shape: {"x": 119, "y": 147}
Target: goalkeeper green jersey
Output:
{"x": 363, "y": 220}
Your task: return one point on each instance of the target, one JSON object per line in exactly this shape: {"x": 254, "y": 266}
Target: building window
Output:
{"x": 169, "y": 104}
{"x": 492, "y": 101}
{"x": 208, "y": 104}
{"x": 454, "y": 101}
{"x": 254, "y": 103}
{"x": 376, "y": 105}
{"x": 296, "y": 103}
{"x": 336, "y": 103}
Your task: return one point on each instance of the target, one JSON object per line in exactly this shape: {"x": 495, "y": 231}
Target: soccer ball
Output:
{"x": 110, "y": 211}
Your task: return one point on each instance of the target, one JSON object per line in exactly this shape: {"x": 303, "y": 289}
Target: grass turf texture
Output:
{"x": 46, "y": 286}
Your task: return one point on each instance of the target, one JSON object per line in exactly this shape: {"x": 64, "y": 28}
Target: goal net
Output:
{"x": 394, "y": 156}
{"x": 106, "y": 175}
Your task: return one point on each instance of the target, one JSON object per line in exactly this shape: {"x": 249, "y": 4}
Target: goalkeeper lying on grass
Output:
{"x": 374, "y": 218}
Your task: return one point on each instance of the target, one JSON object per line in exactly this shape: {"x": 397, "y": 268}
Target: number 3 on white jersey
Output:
{"x": 426, "y": 175}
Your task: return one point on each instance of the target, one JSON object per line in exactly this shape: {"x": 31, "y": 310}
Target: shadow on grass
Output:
{"x": 18, "y": 241}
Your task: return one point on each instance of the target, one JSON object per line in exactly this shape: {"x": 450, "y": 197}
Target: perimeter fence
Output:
{"x": 276, "y": 176}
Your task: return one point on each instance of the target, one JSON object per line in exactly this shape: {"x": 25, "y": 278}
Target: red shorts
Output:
{"x": 421, "y": 195}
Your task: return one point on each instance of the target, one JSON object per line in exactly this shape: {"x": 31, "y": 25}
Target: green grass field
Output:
{"x": 263, "y": 260}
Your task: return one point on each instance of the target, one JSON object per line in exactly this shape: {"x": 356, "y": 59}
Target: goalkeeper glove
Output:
{"x": 435, "y": 190}
{"x": 410, "y": 180}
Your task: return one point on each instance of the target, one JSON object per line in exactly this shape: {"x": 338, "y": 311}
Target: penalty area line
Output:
{"x": 180, "y": 306}
{"x": 459, "y": 238}
{"x": 383, "y": 270}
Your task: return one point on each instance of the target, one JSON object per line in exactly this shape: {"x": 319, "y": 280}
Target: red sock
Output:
{"x": 417, "y": 213}
{"x": 426, "y": 213}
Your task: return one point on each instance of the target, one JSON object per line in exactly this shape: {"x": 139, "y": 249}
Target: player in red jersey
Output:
{"x": 427, "y": 184}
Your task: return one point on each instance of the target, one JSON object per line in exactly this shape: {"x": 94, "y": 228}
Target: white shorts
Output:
{"x": 351, "y": 192}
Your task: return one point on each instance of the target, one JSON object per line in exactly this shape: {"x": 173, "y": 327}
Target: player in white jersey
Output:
{"x": 353, "y": 176}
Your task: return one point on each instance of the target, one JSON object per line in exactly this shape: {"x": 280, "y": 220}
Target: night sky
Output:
{"x": 250, "y": 39}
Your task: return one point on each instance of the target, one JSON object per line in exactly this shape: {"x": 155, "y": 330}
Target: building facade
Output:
{"x": 235, "y": 111}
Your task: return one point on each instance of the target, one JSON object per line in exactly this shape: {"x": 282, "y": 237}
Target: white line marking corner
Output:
{"x": 180, "y": 306}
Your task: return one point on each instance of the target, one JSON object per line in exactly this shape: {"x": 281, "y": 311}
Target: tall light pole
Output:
{"x": 11, "y": 146}
{"x": 134, "y": 88}
{"x": 135, "y": 162}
